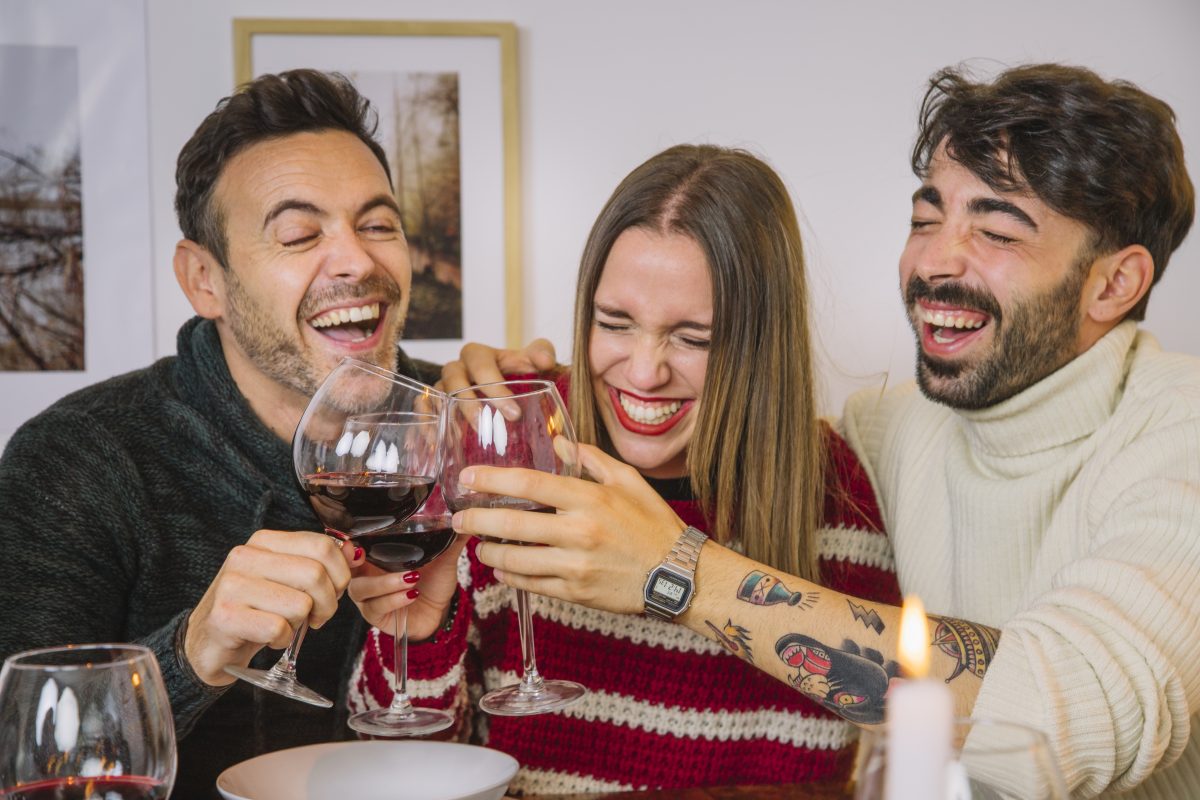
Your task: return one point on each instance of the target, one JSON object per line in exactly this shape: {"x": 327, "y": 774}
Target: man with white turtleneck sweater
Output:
{"x": 1045, "y": 479}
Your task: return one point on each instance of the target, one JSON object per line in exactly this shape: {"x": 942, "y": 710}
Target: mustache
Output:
{"x": 376, "y": 286}
{"x": 954, "y": 294}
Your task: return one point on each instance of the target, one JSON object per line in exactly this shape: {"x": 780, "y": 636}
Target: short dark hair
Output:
{"x": 268, "y": 107}
{"x": 1104, "y": 153}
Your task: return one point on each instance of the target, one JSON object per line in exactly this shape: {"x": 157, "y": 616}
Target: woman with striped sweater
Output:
{"x": 692, "y": 365}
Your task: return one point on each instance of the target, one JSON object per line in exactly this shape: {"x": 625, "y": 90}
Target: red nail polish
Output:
{"x": 358, "y": 553}
{"x": 412, "y": 577}
{"x": 412, "y": 593}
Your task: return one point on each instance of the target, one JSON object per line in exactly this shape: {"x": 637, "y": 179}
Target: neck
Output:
{"x": 278, "y": 406}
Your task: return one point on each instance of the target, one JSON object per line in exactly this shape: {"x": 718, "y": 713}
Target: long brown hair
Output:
{"x": 756, "y": 459}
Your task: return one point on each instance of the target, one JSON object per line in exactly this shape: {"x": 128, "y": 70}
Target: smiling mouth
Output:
{"x": 949, "y": 329}
{"x": 350, "y": 325}
{"x": 646, "y": 416}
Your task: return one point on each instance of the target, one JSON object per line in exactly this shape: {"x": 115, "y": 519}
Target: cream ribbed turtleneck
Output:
{"x": 1069, "y": 517}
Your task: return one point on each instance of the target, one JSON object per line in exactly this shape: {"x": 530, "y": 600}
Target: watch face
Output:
{"x": 668, "y": 589}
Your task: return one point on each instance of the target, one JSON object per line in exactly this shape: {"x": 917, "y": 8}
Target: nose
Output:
{"x": 941, "y": 255}
{"x": 647, "y": 367}
{"x": 348, "y": 259}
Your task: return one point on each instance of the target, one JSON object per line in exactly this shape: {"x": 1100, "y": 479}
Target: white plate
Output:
{"x": 391, "y": 770}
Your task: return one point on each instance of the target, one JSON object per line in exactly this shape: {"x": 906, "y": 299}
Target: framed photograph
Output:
{"x": 75, "y": 241}
{"x": 446, "y": 97}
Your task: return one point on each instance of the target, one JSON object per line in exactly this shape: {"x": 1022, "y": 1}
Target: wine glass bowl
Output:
{"x": 528, "y": 428}
{"x": 85, "y": 721}
{"x": 366, "y": 453}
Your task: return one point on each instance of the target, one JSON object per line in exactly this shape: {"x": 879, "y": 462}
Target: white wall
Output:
{"x": 827, "y": 92}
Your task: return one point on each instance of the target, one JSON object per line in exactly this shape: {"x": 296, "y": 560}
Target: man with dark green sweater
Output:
{"x": 160, "y": 506}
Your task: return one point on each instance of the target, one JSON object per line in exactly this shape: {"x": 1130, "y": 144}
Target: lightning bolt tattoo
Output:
{"x": 868, "y": 618}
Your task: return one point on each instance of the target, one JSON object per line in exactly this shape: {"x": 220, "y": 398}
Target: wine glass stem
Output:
{"x": 531, "y": 681}
{"x": 400, "y": 702}
{"x": 285, "y": 667}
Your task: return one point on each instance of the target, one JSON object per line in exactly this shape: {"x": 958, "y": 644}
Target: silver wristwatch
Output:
{"x": 671, "y": 585}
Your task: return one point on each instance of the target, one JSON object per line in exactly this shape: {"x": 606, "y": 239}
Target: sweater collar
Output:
{"x": 1064, "y": 407}
{"x": 209, "y": 387}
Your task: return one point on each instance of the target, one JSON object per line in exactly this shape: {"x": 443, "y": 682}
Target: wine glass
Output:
{"x": 85, "y": 722}
{"x": 398, "y": 548}
{"x": 366, "y": 451}
{"x": 515, "y": 431}
{"x": 991, "y": 760}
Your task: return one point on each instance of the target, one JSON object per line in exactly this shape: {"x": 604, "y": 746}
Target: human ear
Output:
{"x": 201, "y": 278}
{"x": 1118, "y": 282}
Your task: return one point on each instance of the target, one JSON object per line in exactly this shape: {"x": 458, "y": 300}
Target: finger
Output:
{"x": 540, "y": 353}
{"x": 547, "y": 586}
{"x": 254, "y": 626}
{"x": 242, "y": 599}
{"x": 454, "y": 377}
{"x": 379, "y": 611}
{"x": 317, "y": 547}
{"x": 521, "y": 560}
{"x": 605, "y": 469}
{"x": 507, "y": 523}
{"x": 301, "y": 573}
{"x": 557, "y": 491}
{"x": 482, "y": 366}
{"x": 367, "y": 588}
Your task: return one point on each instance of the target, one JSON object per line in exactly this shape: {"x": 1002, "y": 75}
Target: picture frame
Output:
{"x": 84, "y": 63}
{"x": 475, "y": 63}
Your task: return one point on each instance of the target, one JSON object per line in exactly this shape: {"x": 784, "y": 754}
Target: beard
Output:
{"x": 280, "y": 355}
{"x": 1032, "y": 338}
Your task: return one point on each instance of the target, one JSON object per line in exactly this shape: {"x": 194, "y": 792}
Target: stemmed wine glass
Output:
{"x": 514, "y": 431}
{"x": 398, "y": 548}
{"x": 85, "y": 721}
{"x": 366, "y": 451}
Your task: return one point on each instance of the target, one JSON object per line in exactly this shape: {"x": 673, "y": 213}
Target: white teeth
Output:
{"x": 939, "y": 319}
{"x": 648, "y": 413}
{"x": 343, "y": 315}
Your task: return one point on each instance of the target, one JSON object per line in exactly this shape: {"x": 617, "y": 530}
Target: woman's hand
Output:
{"x": 426, "y": 593}
{"x": 479, "y": 363}
{"x": 598, "y": 548}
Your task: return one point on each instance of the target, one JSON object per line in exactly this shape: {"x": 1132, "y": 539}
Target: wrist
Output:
{"x": 671, "y": 586}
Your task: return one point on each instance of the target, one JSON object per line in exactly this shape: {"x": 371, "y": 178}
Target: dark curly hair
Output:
{"x": 1101, "y": 152}
{"x": 268, "y": 107}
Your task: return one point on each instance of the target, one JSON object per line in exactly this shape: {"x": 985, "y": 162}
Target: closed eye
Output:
{"x": 610, "y": 326}
{"x": 300, "y": 241}
{"x": 999, "y": 239}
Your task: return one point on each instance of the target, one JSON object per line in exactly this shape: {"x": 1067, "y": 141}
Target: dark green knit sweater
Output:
{"x": 118, "y": 505}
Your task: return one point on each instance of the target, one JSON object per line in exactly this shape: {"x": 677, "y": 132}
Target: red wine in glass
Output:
{"x": 123, "y": 787}
{"x": 350, "y": 502}
{"x": 418, "y": 543}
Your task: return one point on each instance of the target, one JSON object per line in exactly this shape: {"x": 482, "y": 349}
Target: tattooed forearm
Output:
{"x": 971, "y": 645}
{"x": 868, "y": 618}
{"x": 850, "y": 682}
{"x": 734, "y": 638}
{"x": 762, "y": 589}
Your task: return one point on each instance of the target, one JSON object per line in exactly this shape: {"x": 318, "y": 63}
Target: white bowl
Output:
{"x": 379, "y": 770}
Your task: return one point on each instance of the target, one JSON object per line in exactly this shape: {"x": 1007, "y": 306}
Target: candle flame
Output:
{"x": 914, "y": 638}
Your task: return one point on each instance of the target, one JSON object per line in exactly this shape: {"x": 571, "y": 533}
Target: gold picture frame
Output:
{"x": 263, "y": 45}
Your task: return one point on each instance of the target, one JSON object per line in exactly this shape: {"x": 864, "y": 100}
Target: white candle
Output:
{"x": 920, "y": 718}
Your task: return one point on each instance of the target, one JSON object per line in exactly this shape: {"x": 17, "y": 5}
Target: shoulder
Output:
{"x": 1162, "y": 378}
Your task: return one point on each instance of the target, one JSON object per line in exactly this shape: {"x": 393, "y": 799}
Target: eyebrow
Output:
{"x": 312, "y": 208}
{"x": 609, "y": 311}
{"x": 980, "y": 205}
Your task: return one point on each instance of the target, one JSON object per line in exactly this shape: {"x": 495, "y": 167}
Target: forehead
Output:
{"x": 331, "y": 166}
{"x": 667, "y": 273}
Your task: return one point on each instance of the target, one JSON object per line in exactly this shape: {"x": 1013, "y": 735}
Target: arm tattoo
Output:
{"x": 868, "y": 618}
{"x": 851, "y": 682}
{"x": 969, "y": 644}
{"x": 762, "y": 589}
{"x": 734, "y": 638}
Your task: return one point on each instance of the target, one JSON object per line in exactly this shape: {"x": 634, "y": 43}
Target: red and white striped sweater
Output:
{"x": 667, "y": 707}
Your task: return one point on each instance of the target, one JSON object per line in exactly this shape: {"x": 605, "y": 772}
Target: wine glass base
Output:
{"x": 288, "y": 687}
{"x": 386, "y": 722}
{"x": 510, "y": 701}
